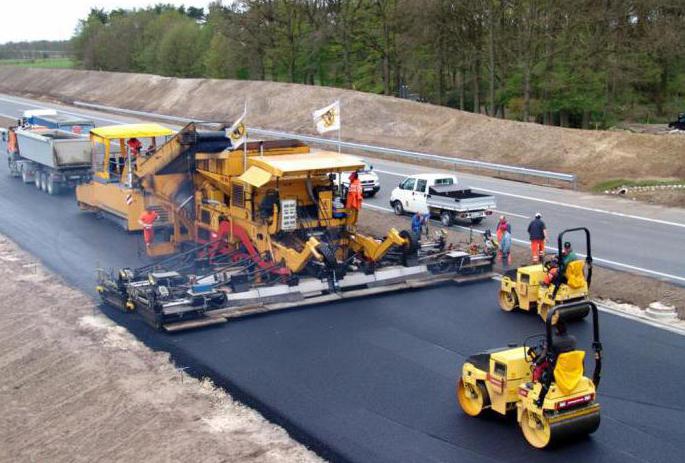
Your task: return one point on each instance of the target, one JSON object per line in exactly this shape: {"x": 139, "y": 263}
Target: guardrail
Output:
{"x": 457, "y": 162}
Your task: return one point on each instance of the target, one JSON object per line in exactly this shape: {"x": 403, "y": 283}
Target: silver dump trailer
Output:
{"x": 52, "y": 159}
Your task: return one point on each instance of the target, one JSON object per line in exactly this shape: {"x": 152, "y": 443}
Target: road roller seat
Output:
{"x": 575, "y": 274}
{"x": 568, "y": 370}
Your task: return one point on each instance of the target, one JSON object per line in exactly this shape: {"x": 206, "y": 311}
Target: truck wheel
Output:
{"x": 25, "y": 176}
{"x": 397, "y": 207}
{"x": 446, "y": 218}
{"x": 477, "y": 220}
{"x": 36, "y": 179}
{"x": 53, "y": 187}
{"x": 370, "y": 194}
{"x": 44, "y": 181}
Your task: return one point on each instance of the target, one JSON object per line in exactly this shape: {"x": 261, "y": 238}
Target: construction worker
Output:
{"x": 419, "y": 223}
{"x": 505, "y": 247}
{"x": 552, "y": 269}
{"x": 134, "y": 146}
{"x": 502, "y": 226}
{"x": 568, "y": 254}
{"x": 147, "y": 219}
{"x": 353, "y": 202}
{"x": 537, "y": 232}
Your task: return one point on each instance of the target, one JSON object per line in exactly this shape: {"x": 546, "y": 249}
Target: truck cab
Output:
{"x": 51, "y": 119}
{"x": 412, "y": 193}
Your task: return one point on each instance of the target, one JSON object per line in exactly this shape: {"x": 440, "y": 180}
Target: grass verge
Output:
{"x": 60, "y": 63}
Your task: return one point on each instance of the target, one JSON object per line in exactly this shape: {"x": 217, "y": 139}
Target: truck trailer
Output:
{"x": 52, "y": 159}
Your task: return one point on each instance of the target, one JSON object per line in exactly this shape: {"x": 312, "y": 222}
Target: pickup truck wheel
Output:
{"x": 397, "y": 207}
{"x": 477, "y": 220}
{"x": 446, "y": 218}
{"x": 370, "y": 194}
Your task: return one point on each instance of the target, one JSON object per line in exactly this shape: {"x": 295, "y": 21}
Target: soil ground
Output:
{"x": 77, "y": 387}
{"x": 593, "y": 155}
{"x": 606, "y": 283}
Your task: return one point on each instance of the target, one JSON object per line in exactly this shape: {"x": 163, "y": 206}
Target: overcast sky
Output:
{"x": 57, "y": 19}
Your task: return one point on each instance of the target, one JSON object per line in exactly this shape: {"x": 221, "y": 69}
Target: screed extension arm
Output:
{"x": 295, "y": 261}
{"x": 372, "y": 249}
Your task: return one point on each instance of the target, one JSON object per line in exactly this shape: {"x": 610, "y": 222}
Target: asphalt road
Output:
{"x": 626, "y": 235}
{"x": 373, "y": 380}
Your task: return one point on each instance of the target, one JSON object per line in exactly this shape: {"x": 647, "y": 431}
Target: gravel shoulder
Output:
{"x": 77, "y": 387}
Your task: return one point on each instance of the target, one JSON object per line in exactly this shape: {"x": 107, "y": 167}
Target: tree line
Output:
{"x": 578, "y": 63}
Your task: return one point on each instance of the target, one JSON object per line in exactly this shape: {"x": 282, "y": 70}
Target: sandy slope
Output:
{"x": 593, "y": 155}
{"x": 76, "y": 387}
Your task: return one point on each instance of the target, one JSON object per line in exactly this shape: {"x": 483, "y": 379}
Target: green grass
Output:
{"x": 619, "y": 182}
{"x": 61, "y": 63}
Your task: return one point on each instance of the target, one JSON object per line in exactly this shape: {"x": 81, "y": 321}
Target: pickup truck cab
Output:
{"x": 440, "y": 196}
{"x": 369, "y": 180}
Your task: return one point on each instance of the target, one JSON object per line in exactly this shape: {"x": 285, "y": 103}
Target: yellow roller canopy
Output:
{"x": 569, "y": 370}
{"x": 112, "y": 132}
{"x": 255, "y": 176}
{"x": 317, "y": 162}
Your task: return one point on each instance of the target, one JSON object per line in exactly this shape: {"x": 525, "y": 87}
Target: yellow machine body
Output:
{"x": 115, "y": 188}
{"x": 501, "y": 381}
{"x": 527, "y": 292}
{"x": 272, "y": 191}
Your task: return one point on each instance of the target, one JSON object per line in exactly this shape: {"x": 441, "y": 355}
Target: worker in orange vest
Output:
{"x": 147, "y": 219}
{"x": 353, "y": 203}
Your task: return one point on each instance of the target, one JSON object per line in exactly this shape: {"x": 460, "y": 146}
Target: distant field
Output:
{"x": 62, "y": 63}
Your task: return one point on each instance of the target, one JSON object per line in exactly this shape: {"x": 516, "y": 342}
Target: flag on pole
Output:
{"x": 237, "y": 133}
{"x": 328, "y": 118}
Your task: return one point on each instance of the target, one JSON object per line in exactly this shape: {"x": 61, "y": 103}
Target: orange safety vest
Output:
{"x": 148, "y": 218}
{"x": 354, "y": 195}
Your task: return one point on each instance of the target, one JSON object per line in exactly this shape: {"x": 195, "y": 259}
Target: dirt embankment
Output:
{"x": 375, "y": 119}
{"x": 606, "y": 283}
{"x": 77, "y": 387}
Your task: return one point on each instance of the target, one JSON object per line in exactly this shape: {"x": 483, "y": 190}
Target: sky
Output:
{"x": 57, "y": 19}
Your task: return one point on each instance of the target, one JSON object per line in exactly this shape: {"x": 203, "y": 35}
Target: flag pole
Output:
{"x": 339, "y": 126}
{"x": 245, "y": 142}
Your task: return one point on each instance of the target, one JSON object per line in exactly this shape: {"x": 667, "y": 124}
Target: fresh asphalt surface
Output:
{"x": 373, "y": 379}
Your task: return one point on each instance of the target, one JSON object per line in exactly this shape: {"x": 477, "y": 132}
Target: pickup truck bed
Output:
{"x": 450, "y": 203}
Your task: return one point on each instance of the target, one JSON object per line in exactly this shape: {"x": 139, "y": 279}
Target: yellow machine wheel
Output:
{"x": 472, "y": 400}
{"x": 508, "y": 300}
{"x": 536, "y": 429}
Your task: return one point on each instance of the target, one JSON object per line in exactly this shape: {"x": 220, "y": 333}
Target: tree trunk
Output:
{"x": 476, "y": 86}
{"x": 462, "y": 88}
{"x": 491, "y": 57}
{"x": 526, "y": 92}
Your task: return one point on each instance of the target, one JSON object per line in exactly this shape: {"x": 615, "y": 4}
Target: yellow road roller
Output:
{"x": 543, "y": 380}
{"x": 561, "y": 279}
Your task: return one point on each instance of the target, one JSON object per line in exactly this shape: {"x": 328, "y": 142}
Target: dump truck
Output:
{"x": 263, "y": 228}
{"x": 52, "y": 159}
{"x": 441, "y": 197}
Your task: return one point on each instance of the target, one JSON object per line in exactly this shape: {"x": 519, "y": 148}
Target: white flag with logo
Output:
{"x": 237, "y": 133}
{"x": 328, "y": 118}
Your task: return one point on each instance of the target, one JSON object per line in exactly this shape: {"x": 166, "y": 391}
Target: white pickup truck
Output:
{"x": 369, "y": 180}
{"x": 440, "y": 196}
